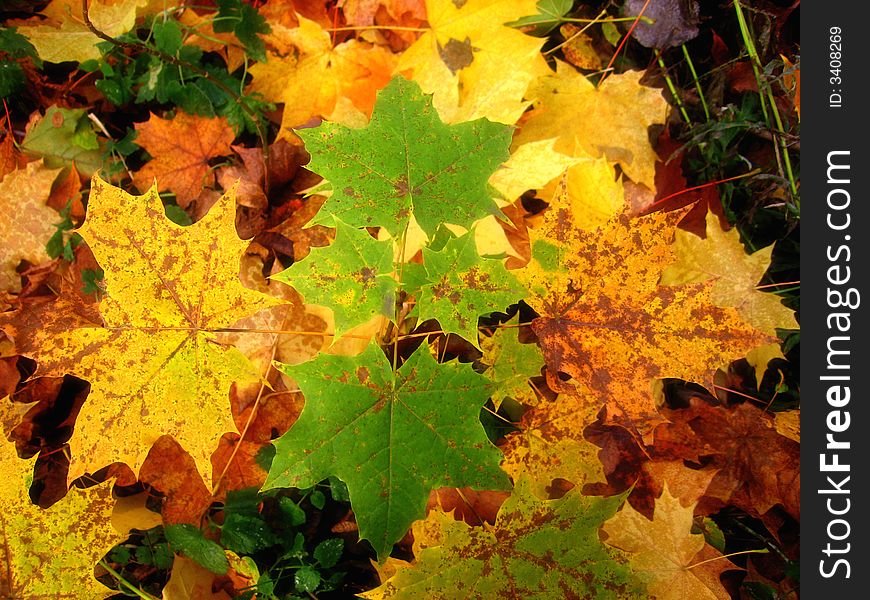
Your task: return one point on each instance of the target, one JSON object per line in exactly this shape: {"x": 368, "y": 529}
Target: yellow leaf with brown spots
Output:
{"x": 51, "y": 553}
{"x": 181, "y": 149}
{"x": 154, "y": 364}
{"x": 665, "y": 553}
{"x": 610, "y": 120}
{"x": 607, "y": 322}
{"x": 465, "y": 55}
{"x": 550, "y": 444}
{"x": 26, "y": 223}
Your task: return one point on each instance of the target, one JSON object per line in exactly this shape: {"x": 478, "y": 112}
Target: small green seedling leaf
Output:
{"x": 189, "y": 540}
{"x": 306, "y": 579}
{"x": 328, "y": 552}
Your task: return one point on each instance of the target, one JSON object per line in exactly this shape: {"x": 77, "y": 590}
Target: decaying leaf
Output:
{"x": 462, "y": 286}
{"x": 153, "y": 364}
{"x": 720, "y": 257}
{"x": 607, "y": 322}
{"x": 615, "y": 118}
{"x": 758, "y": 467}
{"x": 314, "y": 79}
{"x": 352, "y": 276}
{"x": 462, "y": 60}
{"x": 550, "y": 444}
{"x": 51, "y": 553}
{"x": 675, "y": 22}
{"x": 63, "y": 137}
{"x": 511, "y": 364}
{"x": 537, "y": 549}
{"x": 63, "y": 35}
{"x": 26, "y": 223}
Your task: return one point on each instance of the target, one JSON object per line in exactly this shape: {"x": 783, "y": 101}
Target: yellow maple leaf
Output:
{"x": 610, "y": 120}
{"x": 550, "y": 443}
{"x": 607, "y": 322}
{"x": 720, "y": 257}
{"x": 181, "y": 149}
{"x": 758, "y": 358}
{"x": 589, "y": 190}
{"x": 63, "y": 35}
{"x": 153, "y": 364}
{"x": 465, "y": 55}
{"x": 530, "y": 167}
{"x": 51, "y": 553}
{"x": 26, "y": 223}
{"x": 665, "y": 552}
{"x": 313, "y": 79}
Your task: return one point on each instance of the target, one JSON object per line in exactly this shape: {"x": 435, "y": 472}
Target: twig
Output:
{"x": 141, "y": 593}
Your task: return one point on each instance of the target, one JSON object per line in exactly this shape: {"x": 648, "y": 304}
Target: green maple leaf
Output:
{"x": 511, "y": 364}
{"x": 391, "y": 436}
{"x": 462, "y": 285}
{"x": 537, "y": 549}
{"x": 351, "y": 276}
{"x": 407, "y": 162}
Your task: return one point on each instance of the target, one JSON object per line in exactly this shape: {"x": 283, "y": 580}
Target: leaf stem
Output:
{"x": 251, "y": 415}
{"x": 139, "y": 592}
{"x": 702, "y": 186}
{"x": 577, "y": 34}
{"x": 770, "y": 285}
{"x": 623, "y": 42}
{"x": 644, "y": 19}
{"x": 704, "y": 562}
{"x": 747, "y": 396}
{"x": 383, "y": 27}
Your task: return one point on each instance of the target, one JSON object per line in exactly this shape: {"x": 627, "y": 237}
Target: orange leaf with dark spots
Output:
{"x": 608, "y": 323}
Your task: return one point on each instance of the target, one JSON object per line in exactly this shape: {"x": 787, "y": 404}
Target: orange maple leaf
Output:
{"x": 181, "y": 149}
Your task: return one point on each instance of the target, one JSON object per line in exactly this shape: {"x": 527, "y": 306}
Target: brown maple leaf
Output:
{"x": 181, "y": 149}
{"x": 758, "y": 467}
{"x": 172, "y": 471}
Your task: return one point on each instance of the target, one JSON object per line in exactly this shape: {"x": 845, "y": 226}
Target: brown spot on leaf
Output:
{"x": 457, "y": 55}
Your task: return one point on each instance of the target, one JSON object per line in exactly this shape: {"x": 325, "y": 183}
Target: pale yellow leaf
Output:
{"x": 26, "y": 223}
